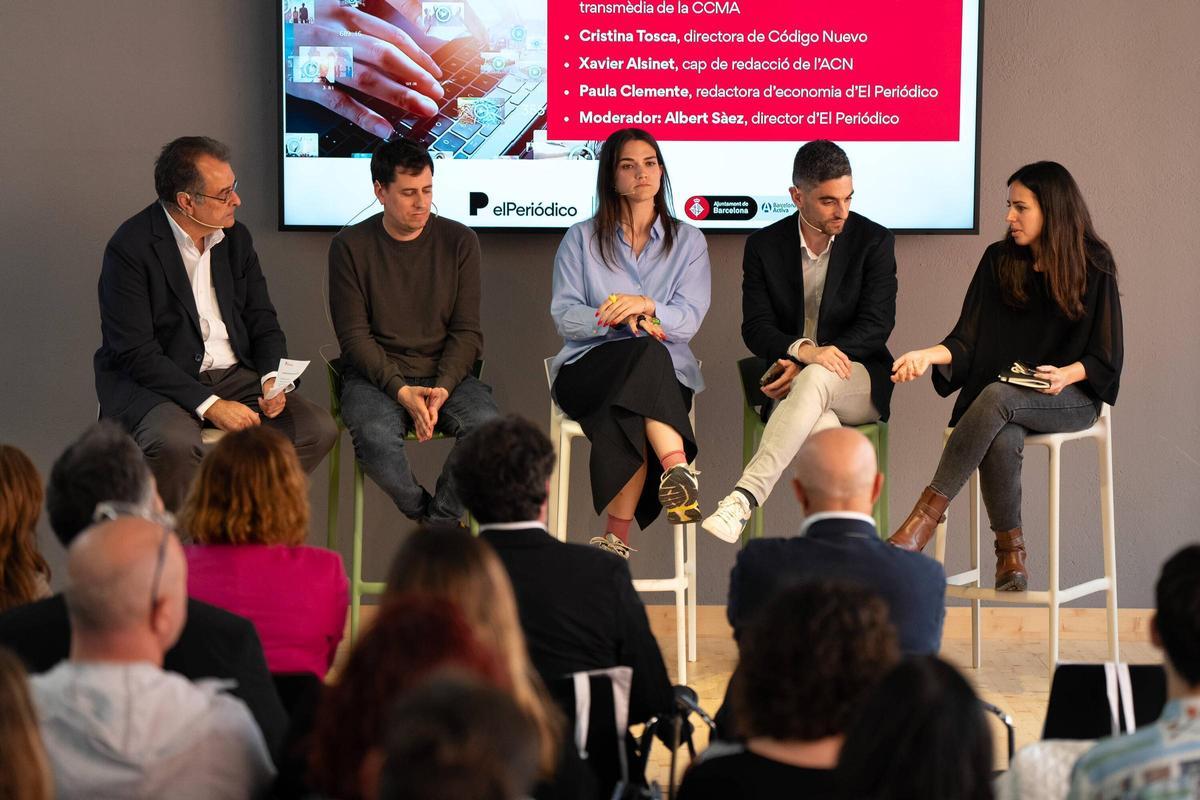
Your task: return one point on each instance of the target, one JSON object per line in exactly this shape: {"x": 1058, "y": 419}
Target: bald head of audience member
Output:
{"x": 126, "y": 591}
{"x": 836, "y": 471}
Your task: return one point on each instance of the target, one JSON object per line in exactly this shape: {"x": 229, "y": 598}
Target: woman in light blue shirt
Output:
{"x": 631, "y": 287}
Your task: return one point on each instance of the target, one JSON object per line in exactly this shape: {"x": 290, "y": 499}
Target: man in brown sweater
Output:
{"x": 404, "y": 295}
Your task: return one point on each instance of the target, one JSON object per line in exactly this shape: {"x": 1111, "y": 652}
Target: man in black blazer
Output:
{"x": 105, "y": 465}
{"x": 818, "y": 305}
{"x": 837, "y": 481}
{"x": 190, "y": 338}
{"x": 577, "y": 604}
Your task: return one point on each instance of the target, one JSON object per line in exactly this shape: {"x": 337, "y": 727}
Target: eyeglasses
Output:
{"x": 111, "y": 510}
{"x": 223, "y": 197}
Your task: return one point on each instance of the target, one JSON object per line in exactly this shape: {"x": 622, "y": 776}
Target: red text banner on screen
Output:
{"x": 756, "y": 70}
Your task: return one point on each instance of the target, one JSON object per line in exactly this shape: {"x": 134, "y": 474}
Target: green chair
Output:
{"x": 358, "y": 587}
{"x": 750, "y": 369}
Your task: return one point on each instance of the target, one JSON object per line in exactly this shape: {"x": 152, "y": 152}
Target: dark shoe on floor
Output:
{"x": 1011, "y": 575}
{"x": 922, "y": 522}
{"x": 679, "y": 493}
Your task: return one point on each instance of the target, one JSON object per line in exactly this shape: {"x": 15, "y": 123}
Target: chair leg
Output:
{"x": 1053, "y": 528}
{"x": 681, "y": 643}
{"x": 976, "y": 604}
{"x": 1108, "y": 526}
{"x": 334, "y": 495}
{"x": 690, "y": 565}
{"x": 752, "y": 427}
{"x": 564, "y": 486}
{"x": 552, "y": 501}
{"x": 356, "y": 579}
{"x": 881, "y": 505}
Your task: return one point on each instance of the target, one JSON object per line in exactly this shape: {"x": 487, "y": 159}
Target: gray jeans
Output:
{"x": 991, "y": 436}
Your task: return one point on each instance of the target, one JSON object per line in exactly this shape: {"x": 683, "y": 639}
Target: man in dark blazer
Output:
{"x": 577, "y": 604}
{"x": 105, "y": 465}
{"x": 837, "y": 481}
{"x": 818, "y": 305}
{"x": 190, "y": 338}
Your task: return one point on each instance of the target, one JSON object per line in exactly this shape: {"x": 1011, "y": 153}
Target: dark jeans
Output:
{"x": 378, "y": 424}
{"x": 991, "y": 436}
{"x": 169, "y": 434}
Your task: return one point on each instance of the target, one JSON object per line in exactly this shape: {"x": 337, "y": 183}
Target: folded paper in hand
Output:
{"x": 288, "y": 373}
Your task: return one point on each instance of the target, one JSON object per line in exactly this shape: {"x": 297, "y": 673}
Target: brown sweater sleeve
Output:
{"x": 464, "y": 333}
{"x": 349, "y": 308}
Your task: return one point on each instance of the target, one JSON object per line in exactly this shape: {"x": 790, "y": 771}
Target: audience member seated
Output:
{"x": 451, "y": 564}
{"x": 577, "y": 604}
{"x": 1160, "y": 760}
{"x": 24, "y": 769}
{"x": 922, "y": 733}
{"x": 247, "y": 513}
{"x": 24, "y": 574}
{"x": 807, "y": 662}
{"x": 837, "y": 482}
{"x": 457, "y": 738}
{"x": 105, "y": 465}
{"x": 115, "y": 723}
{"x": 410, "y": 637}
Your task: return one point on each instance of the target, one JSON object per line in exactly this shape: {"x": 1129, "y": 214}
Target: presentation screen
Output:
{"x": 513, "y": 99}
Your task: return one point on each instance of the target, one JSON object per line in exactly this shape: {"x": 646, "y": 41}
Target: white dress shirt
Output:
{"x": 814, "y": 267}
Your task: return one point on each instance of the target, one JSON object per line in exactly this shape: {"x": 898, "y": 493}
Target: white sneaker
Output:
{"x": 730, "y": 518}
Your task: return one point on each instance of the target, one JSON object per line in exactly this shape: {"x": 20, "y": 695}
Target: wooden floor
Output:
{"x": 1013, "y": 676}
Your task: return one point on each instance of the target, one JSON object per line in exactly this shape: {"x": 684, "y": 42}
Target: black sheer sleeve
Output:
{"x": 949, "y": 378}
{"x": 1105, "y": 351}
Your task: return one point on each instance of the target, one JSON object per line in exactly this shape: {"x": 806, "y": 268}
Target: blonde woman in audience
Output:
{"x": 452, "y": 564}
{"x": 247, "y": 513}
{"x": 24, "y": 770}
{"x": 24, "y": 574}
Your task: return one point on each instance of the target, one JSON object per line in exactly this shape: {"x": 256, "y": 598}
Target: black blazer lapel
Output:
{"x": 167, "y": 250}
{"x": 222, "y": 279}
{"x": 792, "y": 269}
{"x": 839, "y": 258}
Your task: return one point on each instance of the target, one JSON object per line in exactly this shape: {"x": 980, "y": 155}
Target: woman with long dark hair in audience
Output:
{"x": 807, "y": 662}
{"x": 24, "y": 574}
{"x": 631, "y": 287}
{"x": 1042, "y": 301}
{"x": 24, "y": 769}
{"x": 921, "y": 734}
{"x": 453, "y": 565}
{"x": 247, "y": 513}
{"x": 411, "y": 637}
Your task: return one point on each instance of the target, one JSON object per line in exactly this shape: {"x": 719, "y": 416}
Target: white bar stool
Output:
{"x": 966, "y": 585}
{"x": 683, "y": 583}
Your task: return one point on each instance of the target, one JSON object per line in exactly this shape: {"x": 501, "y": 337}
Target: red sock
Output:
{"x": 618, "y": 527}
{"x": 673, "y": 459}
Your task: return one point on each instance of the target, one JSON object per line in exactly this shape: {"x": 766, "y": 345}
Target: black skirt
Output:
{"x": 610, "y": 391}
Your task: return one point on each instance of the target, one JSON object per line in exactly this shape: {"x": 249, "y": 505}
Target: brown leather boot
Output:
{"x": 1010, "y": 561}
{"x": 919, "y": 528}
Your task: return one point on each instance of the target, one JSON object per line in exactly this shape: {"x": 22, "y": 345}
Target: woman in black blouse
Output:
{"x": 1047, "y": 296}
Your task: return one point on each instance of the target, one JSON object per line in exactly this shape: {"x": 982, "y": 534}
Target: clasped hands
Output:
{"x": 230, "y": 415}
{"x": 422, "y": 404}
{"x": 633, "y": 310}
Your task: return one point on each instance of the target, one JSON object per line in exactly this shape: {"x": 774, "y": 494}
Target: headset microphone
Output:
{"x": 809, "y": 224}
{"x": 198, "y": 222}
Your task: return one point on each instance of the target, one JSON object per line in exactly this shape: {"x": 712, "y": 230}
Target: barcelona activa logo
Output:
{"x": 697, "y": 207}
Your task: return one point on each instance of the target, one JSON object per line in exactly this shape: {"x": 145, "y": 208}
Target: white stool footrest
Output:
{"x": 660, "y": 584}
{"x": 963, "y": 578}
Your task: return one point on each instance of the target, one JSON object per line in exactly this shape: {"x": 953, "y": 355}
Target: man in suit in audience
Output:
{"x": 837, "y": 481}
{"x": 577, "y": 604}
{"x": 105, "y": 464}
{"x": 114, "y": 722}
{"x": 1163, "y": 759}
{"x": 818, "y": 305}
{"x": 190, "y": 337}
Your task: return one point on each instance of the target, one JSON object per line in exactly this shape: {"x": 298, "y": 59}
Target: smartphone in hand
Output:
{"x": 772, "y": 374}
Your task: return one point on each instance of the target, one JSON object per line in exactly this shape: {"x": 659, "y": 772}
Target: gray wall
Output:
{"x": 1105, "y": 86}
